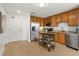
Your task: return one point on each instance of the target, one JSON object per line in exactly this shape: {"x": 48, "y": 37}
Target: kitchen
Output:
{"x": 28, "y": 29}
{"x": 65, "y": 25}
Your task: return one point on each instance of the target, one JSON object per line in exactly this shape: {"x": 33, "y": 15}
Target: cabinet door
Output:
{"x": 78, "y": 16}
{"x": 54, "y": 21}
{"x": 35, "y": 19}
{"x": 61, "y": 38}
{"x": 38, "y": 19}
{"x": 47, "y": 20}
{"x": 73, "y": 17}
{"x": 32, "y": 19}
{"x": 56, "y": 37}
{"x": 77, "y": 20}
{"x": 65, "y": 17}
{"x": 41, "y": 21}
{"x": 58, "y": 17}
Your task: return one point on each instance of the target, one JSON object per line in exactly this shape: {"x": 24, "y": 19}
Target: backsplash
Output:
{"x": 65, "y": 27}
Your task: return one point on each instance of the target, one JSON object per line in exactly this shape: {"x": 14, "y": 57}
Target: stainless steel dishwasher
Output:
{"x": 72, "y": 40}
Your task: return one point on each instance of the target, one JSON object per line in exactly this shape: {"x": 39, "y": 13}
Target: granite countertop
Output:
{"x": 73, "y": 33}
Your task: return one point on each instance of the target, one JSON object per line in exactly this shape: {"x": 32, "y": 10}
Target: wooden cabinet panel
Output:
{"x": 78, "y": 16}
{"x": 54, "y": 21}
{"x": 47, "y": 20}
{"x": 58, "y": 17}
{"x": 73, "y": 17}
{"x": 41, "y": 21}
{"x": 65, "y": 17}
{"x": 33, "y": 19}
{"x": 61, "y": 38}
{"x": 44, "y": 23}
{"x": 38, "y": 20}
{"x": 77, "y": 20}
{"x": 56, "y": 37}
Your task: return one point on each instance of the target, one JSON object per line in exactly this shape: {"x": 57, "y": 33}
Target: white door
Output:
{"x": 13, "y": 29}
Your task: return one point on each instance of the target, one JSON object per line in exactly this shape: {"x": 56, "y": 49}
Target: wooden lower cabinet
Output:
{"x": 56, "y": 37}
{"x": 60, "y": 37}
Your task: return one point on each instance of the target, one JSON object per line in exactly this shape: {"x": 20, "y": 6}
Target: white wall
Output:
{"x": 17, "y": 28}
{"x": 14, "y": 29}
{"x": 2, "y": 35}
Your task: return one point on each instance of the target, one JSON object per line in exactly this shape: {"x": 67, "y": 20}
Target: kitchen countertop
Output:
{"x": 53, "y": 32}
{"x": 73, "y": 33}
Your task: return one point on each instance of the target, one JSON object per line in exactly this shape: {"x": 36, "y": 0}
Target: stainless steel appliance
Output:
{"x": 34, "y": 30}
{"x": 72, "y": 40}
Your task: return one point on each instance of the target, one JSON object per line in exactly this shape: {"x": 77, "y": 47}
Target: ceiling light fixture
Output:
{"x": 41, "y": 4}
{"x": 18, "y": 11}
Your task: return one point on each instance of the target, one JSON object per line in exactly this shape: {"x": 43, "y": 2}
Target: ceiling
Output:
{"x": 50, "y": 9}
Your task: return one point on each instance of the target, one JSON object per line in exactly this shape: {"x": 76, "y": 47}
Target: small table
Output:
{"x": 46, "y": 40}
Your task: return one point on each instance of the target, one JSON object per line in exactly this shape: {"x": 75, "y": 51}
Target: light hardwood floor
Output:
{"x": 24, "y": 48}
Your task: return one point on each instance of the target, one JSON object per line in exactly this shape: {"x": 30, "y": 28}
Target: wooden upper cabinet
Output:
{"x": 65, "y": 17}
{"x": 47, "y": 20}
{"x": 33, "y": 19}
{"x": 77, "y": 20}
{"x": 37, "y": 20}
{"x": 73, "y": 17}
{"x": 41, "y": 21}
{"x": 58, "y": 17}
{"x": 78, "y": 16}
{"x": 54, "y": 21}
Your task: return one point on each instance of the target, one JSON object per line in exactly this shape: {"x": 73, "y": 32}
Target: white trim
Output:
{"x": 29, "y": 41}
{"x": 2, "y": 49}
